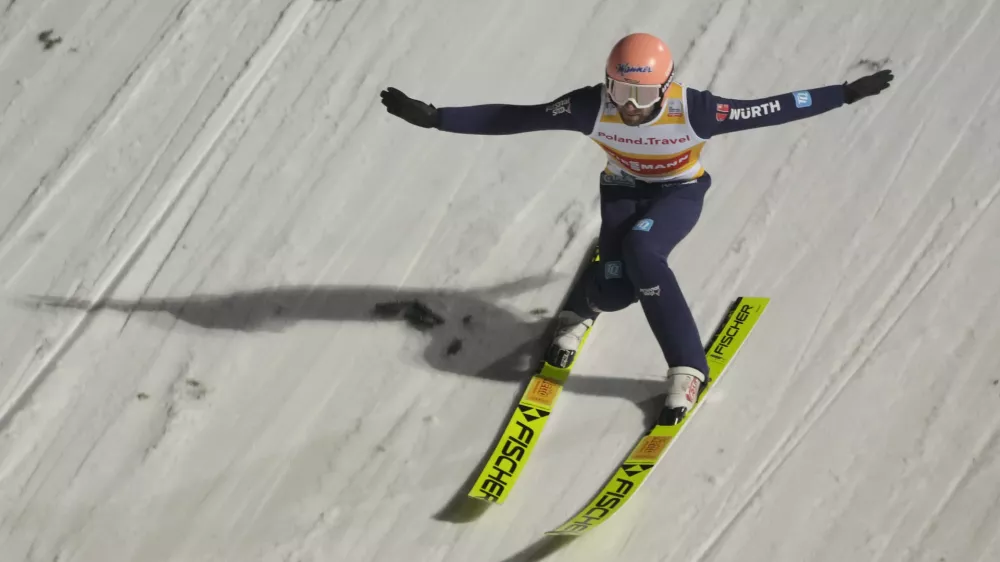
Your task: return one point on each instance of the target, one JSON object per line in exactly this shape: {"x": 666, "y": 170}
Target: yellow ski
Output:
{"x": 642, "y": 460}
{"x": 522, "y": 432}
{"x": 525, "y": 426}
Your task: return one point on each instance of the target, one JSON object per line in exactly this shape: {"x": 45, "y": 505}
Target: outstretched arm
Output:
{"x": 575, "y": 111}
{"x": 713, "y": 115}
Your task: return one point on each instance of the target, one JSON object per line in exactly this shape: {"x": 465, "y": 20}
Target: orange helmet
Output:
{"x": 640, "y": 68}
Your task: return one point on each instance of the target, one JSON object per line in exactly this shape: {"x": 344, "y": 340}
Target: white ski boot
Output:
{"x": 570, "y": 329}
{"x": 684, "y": 385}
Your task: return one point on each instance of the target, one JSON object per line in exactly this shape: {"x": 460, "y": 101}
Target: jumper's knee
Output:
{"x": 609, "y": 288}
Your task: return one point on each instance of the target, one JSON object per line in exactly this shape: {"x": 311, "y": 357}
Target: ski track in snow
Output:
{"x": 80, "y": 152}
{"x": 256, "y": 66}
{"x": 827, "y": 396}
{"x": 862, "y": 353}
{"x": 232, "y": 162}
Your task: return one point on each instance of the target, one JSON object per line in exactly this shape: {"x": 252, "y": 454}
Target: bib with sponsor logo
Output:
{"x": 664, "y": 149}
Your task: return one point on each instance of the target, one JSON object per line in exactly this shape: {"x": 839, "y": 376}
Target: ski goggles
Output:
{"x": 641, "y": 96}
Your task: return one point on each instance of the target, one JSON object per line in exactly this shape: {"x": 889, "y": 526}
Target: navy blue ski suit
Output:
{"x": 642, "y": 221}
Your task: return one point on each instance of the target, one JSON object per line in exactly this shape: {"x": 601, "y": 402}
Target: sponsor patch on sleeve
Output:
{"x": 721, "y": 112}
{"x": 561, "y": 106}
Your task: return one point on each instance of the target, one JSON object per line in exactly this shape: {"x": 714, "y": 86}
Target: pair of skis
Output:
{"x": 525, "y": 425}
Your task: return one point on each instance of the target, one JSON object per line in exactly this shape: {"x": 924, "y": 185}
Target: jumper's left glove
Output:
{"x": 414, "y": 111}
{"x": 867, "y": 86}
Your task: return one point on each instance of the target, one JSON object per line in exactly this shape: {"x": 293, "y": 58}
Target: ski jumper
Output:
{"x": 652, "y": 188}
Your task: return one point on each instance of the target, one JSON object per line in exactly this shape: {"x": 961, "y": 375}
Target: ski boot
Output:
{"x": 570, "y": 329}
{"x": 684, "y": 386}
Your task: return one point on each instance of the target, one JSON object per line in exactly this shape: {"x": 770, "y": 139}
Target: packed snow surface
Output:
{"x": 202, "y": 202}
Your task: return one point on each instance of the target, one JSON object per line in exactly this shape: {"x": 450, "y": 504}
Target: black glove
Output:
{"x": 867, "y": 86}
{"x": 414, "y": 111}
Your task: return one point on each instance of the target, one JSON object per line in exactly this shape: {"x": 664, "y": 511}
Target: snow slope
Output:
{"x": 221, "y": 176}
